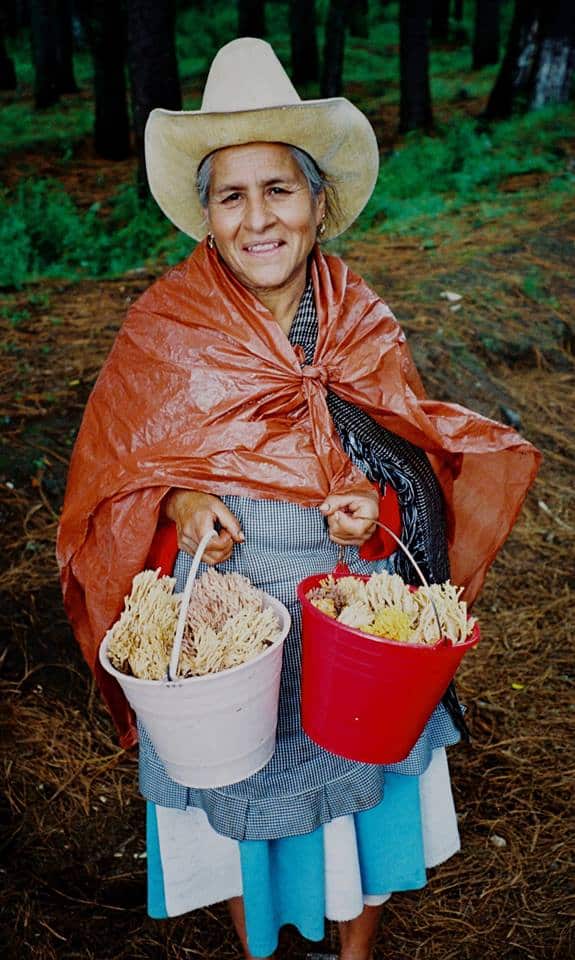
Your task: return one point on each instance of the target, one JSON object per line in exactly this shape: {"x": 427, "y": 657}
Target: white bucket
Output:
{"x": 216, "y": 729}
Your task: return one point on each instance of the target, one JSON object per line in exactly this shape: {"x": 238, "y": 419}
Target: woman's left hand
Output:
{"x": 351, "y": 517}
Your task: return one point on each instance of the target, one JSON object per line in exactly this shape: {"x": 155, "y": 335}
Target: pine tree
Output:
{"x": 415, "y": 110}
{"x": 251, "y": 18}
{"x": 486, "y": 33}
{"x": 105, "y": 24}
{"x": 153, "y": 67}
{"x": 304, "y": 55}
{"x": 334, "y": 48}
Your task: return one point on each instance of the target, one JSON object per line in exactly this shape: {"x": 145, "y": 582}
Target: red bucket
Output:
{"x": 364, "y": 698}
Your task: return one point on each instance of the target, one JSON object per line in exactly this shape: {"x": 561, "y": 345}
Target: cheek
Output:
{"x": 222, "y": 228}
{"x": 218, "y": 216}
{"x": 304, "y": 224}
{"x": 310, "y": 230}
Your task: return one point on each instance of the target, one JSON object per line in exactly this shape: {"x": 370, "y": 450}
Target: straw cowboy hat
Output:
{"x": 248, "y": 98}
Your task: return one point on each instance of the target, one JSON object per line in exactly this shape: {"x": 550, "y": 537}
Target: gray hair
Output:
{"x": 316, "y": 180}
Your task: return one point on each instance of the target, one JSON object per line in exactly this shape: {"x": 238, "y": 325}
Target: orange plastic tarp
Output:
{"x": 203, "y": 390}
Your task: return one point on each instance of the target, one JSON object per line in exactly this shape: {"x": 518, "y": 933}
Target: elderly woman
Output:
{"x": 262, "y": 389}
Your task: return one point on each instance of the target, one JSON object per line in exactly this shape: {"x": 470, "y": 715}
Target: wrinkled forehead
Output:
{"x": 249, "y": 156}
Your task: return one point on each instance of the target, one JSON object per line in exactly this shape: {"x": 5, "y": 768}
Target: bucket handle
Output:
{"x": 409, "y": 555}
{"x": 175, "y": 657}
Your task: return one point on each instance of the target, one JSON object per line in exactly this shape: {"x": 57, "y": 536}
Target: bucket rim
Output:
{"x": 164, "y": 683}
{"x": 440, "y": 644}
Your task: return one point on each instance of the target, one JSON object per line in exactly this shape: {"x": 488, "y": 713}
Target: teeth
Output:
{"x": 263, "y": 247}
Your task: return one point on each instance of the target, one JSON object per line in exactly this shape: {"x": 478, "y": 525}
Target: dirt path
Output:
{"x": 74, "y": 837}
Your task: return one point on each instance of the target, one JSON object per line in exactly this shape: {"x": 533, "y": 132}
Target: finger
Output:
{"x": 335, "y": 524}
{"x": 202, "y": 523}
{"x": 362, "y": 508}
{"x": 356, "y": 524}
{"x": 187, "y": 546}
{"x": 198, "y": 526}
{"x": 218, "y": 557}
{"x": 347, "y": 541}
{"x": 345, "y": 523}
{"x": 213, "y": 553}
{"x": 191, "y": 536}
{"x": 228, "y": 521}
{"x": 357, "y": 528}
{"x": 220, "y": 544}
{"x": 333, "y": 503}
{"x": 346, "y": 529}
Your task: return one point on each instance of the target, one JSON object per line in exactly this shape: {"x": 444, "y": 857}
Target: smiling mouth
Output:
{"x": 269, "y": 246}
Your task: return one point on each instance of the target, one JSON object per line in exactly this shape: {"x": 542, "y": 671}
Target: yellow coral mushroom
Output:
{"x": 326, "y": 605}
{"x": 391, "y": 623}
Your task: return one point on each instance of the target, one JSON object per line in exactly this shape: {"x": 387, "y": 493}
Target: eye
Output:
{"x": 231, "y": 198}
{"x": 278, "y": 190}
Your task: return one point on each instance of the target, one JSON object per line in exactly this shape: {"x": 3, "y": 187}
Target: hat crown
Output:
{"x": 247, "y": 75}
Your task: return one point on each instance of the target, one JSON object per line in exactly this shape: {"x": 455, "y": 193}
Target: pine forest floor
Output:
{"x": 73, "y": 870}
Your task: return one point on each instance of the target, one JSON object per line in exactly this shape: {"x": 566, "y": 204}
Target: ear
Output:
{"x": 320, "y": 208}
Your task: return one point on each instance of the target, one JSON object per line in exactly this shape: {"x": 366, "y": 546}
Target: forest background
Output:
{"x": 470, "y": 238}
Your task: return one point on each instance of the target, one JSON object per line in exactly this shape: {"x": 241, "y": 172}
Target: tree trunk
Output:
{"x": 517, "y": 66}
{"x": 105, "y": 24}
{"x": 486, "y": 35}
{"x": 15, "y": 15}
{"x": 52, "y": 50}
{"x": 440, "y": 19}
{"x": 44, "y": 38}
{"x": 358, "y": 19}
{"x": 66, "y": 81}
{"x": 555, "y": 63}
{"x": 51, "y": 36}
{"x": 251, "y": 18}
{"x": 304, "y": 56}
{"x": 7, "y": 71}
{"x": 153, "y": 68}
{"x": 334, "y": 48}
{"x": 415, "y": 101}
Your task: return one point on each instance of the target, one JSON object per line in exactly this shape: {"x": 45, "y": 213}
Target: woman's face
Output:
{"x": 262, "y": 215}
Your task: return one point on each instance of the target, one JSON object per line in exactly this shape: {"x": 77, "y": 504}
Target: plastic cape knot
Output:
{"x": 315, "y": 373}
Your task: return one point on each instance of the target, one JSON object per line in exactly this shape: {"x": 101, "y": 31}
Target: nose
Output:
{"x": 258, "y": 214}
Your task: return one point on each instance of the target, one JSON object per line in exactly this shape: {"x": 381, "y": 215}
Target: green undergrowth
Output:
{"x": 44, "y": 234}
{"x": 428, "y": 186}
{"x": 59, "y": 127}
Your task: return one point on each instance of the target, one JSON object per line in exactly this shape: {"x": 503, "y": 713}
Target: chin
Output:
{"x": 267, "y": 279}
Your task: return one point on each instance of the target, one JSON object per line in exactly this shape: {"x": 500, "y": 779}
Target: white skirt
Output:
{"x": 201, "y": 867}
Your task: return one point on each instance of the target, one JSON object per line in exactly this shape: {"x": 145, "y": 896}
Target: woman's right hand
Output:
{"x": 194, "y": 513}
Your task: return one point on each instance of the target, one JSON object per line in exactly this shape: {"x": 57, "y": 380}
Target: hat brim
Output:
{"x": 334, "y": 132}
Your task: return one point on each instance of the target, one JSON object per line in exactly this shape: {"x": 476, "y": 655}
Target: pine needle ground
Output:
{"x": 73, "y": 848}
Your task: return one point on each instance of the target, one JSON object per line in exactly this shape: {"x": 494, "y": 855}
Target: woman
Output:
{"x": 262, "y": 389}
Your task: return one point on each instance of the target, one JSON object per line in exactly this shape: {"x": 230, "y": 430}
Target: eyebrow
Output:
{"x": 233, "y": 187}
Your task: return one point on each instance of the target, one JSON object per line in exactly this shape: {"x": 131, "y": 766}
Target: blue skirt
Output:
{"x": 288, "y": 880}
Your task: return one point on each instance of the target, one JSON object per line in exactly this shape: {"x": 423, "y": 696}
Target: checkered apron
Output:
{"x": 303, "y": 785}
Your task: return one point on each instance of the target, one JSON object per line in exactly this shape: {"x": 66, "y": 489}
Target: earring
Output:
{"x": 211, "y": 241}
{"x": 321, "y": 229}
